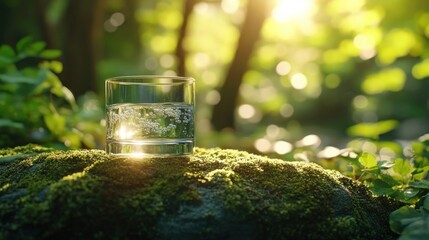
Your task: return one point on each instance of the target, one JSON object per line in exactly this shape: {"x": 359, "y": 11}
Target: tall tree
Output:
{"x": 223, "y": 112}
{"x": 82, "y": 45}
{"x": 180, "y": 51}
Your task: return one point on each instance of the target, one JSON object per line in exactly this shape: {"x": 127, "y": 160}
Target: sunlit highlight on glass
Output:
{"x": 125, "y": 133}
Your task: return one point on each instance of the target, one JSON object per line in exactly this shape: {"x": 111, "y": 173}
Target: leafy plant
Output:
{"x": 35, "y": 106}
{"x": 403, "y": 176}
{"x": 411, "y": 222}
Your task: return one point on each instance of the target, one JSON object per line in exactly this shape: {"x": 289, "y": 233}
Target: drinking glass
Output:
{"x": 150, "y": 116}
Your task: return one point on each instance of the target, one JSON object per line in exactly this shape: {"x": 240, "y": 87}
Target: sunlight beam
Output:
{"x": 289, "y": 10}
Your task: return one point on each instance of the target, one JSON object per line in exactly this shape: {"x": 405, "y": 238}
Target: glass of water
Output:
{"x": 150, "y": 116}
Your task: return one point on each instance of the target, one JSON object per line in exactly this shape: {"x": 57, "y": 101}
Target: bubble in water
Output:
{"x": 150, "y": 121}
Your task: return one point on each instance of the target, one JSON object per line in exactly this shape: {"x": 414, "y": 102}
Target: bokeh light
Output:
{"x": 283, "y": 68}
{"x": 287, "y": 10}
{"x": 263, "y": 145}
{"x": 299, "y": 81}
{"x": 282, "y": 147}
{"x": 230, "y": 6}
{"x": 246, "y": 111}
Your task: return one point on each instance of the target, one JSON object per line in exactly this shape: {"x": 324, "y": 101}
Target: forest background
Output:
{"x": 272, "y": 76}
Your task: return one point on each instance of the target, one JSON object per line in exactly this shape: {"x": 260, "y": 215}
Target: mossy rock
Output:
{"x": 215, "y": 194}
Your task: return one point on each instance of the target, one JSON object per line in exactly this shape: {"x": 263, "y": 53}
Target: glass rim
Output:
{"x": 149, "y": 80}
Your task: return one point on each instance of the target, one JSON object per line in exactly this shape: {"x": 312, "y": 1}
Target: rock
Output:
{"x": 215, "y": 194}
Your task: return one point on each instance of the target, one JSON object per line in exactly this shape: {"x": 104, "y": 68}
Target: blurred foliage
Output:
{"x": 320, "y": 67}
{"x": 36, "y": 107}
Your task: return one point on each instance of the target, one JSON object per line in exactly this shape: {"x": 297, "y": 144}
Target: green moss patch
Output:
{"x": 215, "y": 194}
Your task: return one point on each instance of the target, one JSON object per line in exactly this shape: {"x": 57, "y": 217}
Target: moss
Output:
{"x": 215, "y": 194}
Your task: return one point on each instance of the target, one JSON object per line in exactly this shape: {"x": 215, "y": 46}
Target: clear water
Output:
{"x": 150, "y": 129}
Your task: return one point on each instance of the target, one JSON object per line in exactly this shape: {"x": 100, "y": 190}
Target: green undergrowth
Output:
{"x": 215, "y": 194}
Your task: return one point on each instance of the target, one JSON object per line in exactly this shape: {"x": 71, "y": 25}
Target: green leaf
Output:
{"x": 424, "y": 184}
{"x": 16, "y": 78}
{"x": 7, "y": 55}
{"x": 372, "y": 130}
{"x": 55, "y": 123}
{"x": 421, "y": 69}
{"x": 380, "y": 188}
{"x": 421, "y": 172}
{"x": 389, "y": 180}
{"x": 73, "y": 138}
{"x": 7, "y": 51}
{"x": 23, "y": 44}
{"x": 424, "y": 138}
{"x": 55, "y": 66}
{"x": 402, "y": 217}
{"x": 69, "y": 97}
{"x": 417, "y": 230}
{"x": 410, "y": 193}
{"x": 49, "y": 82}
{"x": 35, "y": 48}
{"x": 385, "y": 164}
{"x": 50, "y": 53}
{"x": 368, "y": 160}
{"x": 10, "y": 124}
{"x": 395, "y": 147}
{"x": 418, "y": 147}
{"x": 403, "y": 168}
{"x": 388, "y": 79}
{"x": 426, "y": 203}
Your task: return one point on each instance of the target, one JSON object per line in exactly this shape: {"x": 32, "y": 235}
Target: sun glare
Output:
{"x": 125, "y": 133}
{"x": 287, "y": 10}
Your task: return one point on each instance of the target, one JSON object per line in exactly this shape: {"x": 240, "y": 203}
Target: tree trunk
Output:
{"x": 82, "y": 45}
{"x": 45, "y": 27}
{"x": 223, "y": 112}
{"x": 180, "y": 51}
